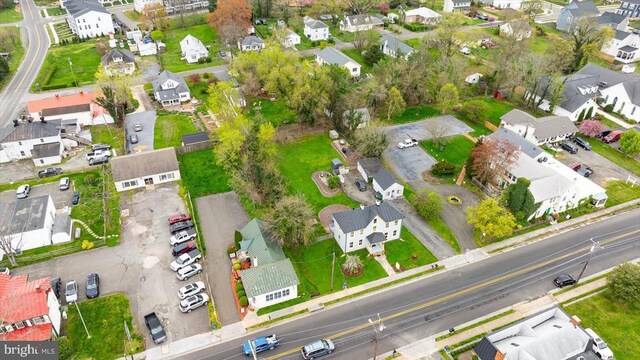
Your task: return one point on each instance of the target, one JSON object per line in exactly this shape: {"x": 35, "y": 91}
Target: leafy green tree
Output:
{"x": 370, "y": 142}
{"x": 624, "y": 283}
{"x": 221, "y": 100}
{"x": 338, "y": 89}
{"x": 4, "y": 68}
{"x": 587, "y": 39}
{"x": 373, "y": 54}
{"x": 630, "y": 142}
{"x": 213, "y": 5}
{"x": 289, "y": 222}
{"x": 231, "y": 137}
{"x": 428, "y": 205}
{"x": 520, "y": 201}
{"x": 157, "y": 35}
{"x": 491, "y": 218}
{"x": 475, "y": 111}
{"x": 395, "y": 103}
{"x": 449, "y": 36}
{"x": 448, "y": 97}
{"x": 309, "y": 97}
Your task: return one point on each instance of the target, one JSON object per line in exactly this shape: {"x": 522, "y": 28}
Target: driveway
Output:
{"x": 60, "y": 198}
{"x": 145, "y": 137}
{"x": 138, "y": 267}
{"x": 220, "y": 215}
{"x": 603, "y": 169}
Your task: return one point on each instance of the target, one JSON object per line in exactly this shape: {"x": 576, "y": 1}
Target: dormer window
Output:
{"x": 375, "y": 220}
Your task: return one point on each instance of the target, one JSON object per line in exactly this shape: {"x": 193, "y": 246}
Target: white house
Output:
{"x": 118, "y": 62}
{"x": 30, "y": 309}
{"x": 623, "y": 46}
{"x": 88, "y": 18}
{"x": 21, "y": 140}
{"x": 333, "y": 56}
{"x": 315, "y": 30}
{"x": 503, "y": 4}
{"x": 291, "y": 39}
{"x": 271, "y": 279}
{"x": 555, "y": 187}
{"x": 28, "y": 222}
{"x": 251, "y": 43}
{"x": 368, "y": 167}
{"x": 422, "y": 15}
{"x": 393, "y": 47}
{"x": 362, "y": 22}
{"x": 367, "y": 227}
{"x": 170, "y": 89}
{"x": 456, "y": 5}
{"x": 139, "y": 5}
{"x": 80, "y": 107}
{"x": 387, "y": 185}
{"x": 145, "y": 169}
{"x": 545, "y": 130}
{"x": 517, "y": 29}
{"x": 613, "y": 20}
{"x": 193, "y": 49}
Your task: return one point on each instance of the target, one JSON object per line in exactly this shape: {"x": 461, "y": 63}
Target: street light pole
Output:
{"x": 75, "y": 83}
{"x": 378, "y": 327}
{"x": 81, "y": 318}
{"x": 594, "y": 247}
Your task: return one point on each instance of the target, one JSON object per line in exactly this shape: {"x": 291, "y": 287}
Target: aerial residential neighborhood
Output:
{"x": 339, "y": 179}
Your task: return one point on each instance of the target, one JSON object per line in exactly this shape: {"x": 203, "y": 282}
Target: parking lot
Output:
{"x": 603, "y": 169}
{"x": 138, "y": 267}
{"x": 60, "y": 198}
{"x": 145, "y": 137}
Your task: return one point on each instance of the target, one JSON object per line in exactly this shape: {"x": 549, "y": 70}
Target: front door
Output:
{"x": 148, "y": 181}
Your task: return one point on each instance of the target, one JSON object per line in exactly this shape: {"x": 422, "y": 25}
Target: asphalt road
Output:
{"x": 421, "y": 308}
{"x": 36, "y": 42}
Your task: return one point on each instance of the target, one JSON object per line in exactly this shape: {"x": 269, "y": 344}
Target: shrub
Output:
{"x": 203, "y": 91}
{"x": 474, "y": 111}
{"x": 206, "y": 75}
{"x": 443, "y": 168}
{"x": 239, "y": 286}
{"x": 237, "y": 266}
{"x": 244, "y": 301}
{"x": 201, "y": 60}
{"x": 65, "y": 348}
{"x": 352, "y": 264}
{"x": 333, "y": 182}
{"x": 231, "y": 249}
{"x": 194, "y": 78}
{"x": 241, "y": 293}
{"x": 608, "y": 108}
{"x": 624, "y": 283}
{"x": 591, "y": 128}
{"x": 207, "y": 59}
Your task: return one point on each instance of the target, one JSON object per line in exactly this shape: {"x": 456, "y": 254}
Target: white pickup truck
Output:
{"x": 407, "y": 143}
{"x": 98, "y": 153}
{"x": 186, "y": 260}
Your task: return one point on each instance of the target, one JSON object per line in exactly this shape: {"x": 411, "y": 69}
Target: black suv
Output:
{"x": 183, "y": 225}
{"x": 582, "y": 143}
{"x": 572, "y": 149}
{"x": 362, "y": 186}
{"x": 93, "y": 285}
{"x": 564, "y": 280}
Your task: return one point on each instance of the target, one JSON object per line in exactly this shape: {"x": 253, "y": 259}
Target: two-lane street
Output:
{"x": 421, "y": 308}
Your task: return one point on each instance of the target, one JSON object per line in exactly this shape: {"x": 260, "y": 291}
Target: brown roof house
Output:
{"x": 145, "y": 169}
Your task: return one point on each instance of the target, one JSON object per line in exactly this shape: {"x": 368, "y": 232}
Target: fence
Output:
{"x": 195, "y": 147}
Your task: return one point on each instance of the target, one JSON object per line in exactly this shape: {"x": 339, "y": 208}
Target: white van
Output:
{"x": 599, "y": 346}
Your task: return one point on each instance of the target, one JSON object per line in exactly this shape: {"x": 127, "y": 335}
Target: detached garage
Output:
{"x": 145, "y": 169}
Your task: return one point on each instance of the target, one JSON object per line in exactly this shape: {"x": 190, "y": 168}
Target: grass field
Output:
{"x": 201, "y": 175}
{"x": 617, "y": 324}
{"x": 357, "y": 57}
{"x": 456, "y": 152}
{"x": 276, "y": 112}
{"x": 8, "y": 16}
{"x": 104, "y": 317}
{"x": 171, "y": 58}
{"x": 84, "y": 58}
{"x": 297, "y": 161}
{"x": 109, "y": 134}
{"x": 619, "y": 192}
{"x": 415, "y": 113}
{"x": 91, "y": 207}
{"x": 169, "y": 130}
{"x": 132, "y": 14}
{"x": 17, "y": 54}
{"x": 408, "y": 251}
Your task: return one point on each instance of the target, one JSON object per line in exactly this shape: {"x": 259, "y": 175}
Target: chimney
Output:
{"x": 57, "y": 96}
{"x": 15, "y": 122}
{"x": 38, "y": 288}
{"x": 254, "y": 262}
{"x": 377, "y": 202}
{"x": 575, "y": 321}
{"x": 81, "y": 92}
{"x": 361, "y": 206}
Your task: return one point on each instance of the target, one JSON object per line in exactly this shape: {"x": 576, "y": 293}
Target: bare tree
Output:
{"x": 438, "y": 130}
{"x": 493, "y": 158}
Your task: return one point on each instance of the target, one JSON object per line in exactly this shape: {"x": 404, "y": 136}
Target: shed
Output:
{"x": 473, "y": 78}
{"x": 336, "y": 164}
{"x": 333, "y": 135}
{"x": 195, "y": 138}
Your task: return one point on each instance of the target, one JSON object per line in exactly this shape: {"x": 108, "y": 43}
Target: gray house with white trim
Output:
{"x": 170, "y": 89}
{"x": 393, "y": 47}
{"x": 145, "y": 169}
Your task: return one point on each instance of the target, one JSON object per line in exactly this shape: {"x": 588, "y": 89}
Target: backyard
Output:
{"x": 170, "y": 128}
{"x": 408, "y": 251}
{"x": 455, "y": 152}
{"x": 56, "y": 72}
{"x": 357, "y": 57}
{"x": 171, "y": 59}
{"x": 109, "y": 134}
{"x": 620, "y": 192}
{"x": 104, "y": 318}
{"x": 8, "y": 16}
{"x": 90, "y": 209}
{"x": 201, "y": 175}
{"x": 415, "y": 113}
{"x": 616, "y": 323}
{"x": 276, "y": 111}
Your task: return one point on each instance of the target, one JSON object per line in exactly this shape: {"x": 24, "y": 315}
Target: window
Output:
{"x": 375, "y": 220}
{"x": 97, "y": 26}
{"x": 278, "y": 295}
{"x": 360, "y": 242}
{"x": 286, "y": 292}
{"x": 41, "y": 161}
{"x": 350, "y": 244}
{"x": 98, "y": 19}
{"x": 19, "y": 142}
{"x": 374, "y": 228}
{"x": 633, "y": 109}
{"x": 361, "y": 232}
{"x": 41, "y": 140}
{"x": 269, "y": 297}
{"x": 395, "y": 232}
{"x": 19, "y": 325}
{"x": 131, "y": 183}
{"x": 84, "y": 20}
{"x": 351, "y": 234}
{"x": 21, "y": 153}
{"x": 39, "y": 320}
{"x": 386, "y": 235}
{"x": 386, "y": 225}
{"x": 396, "y": 223}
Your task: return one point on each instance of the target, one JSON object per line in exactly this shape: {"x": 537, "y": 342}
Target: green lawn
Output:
{"x": 414, "y": 43}
{"x": 276, "y": 112}
{"x": 630, "y": 164}
{"x": 105, "y": 317}
{"x": 10, "y": 16}
{"x": 132, "y": 14}
{"x": 344, "y": 36}
{"x": 201, "y": 175}
{"x": 169, "y": 130}
{"x": 171, "y": 58}
{"x": 297, "y": 161}
{"x": 620, "y": 192}
{"x": 199, "y": 90}
{"x": 415, "y": 113}
{"x": 55, "y": 11}
{"x": 456, "y": 152}
{"x": 408, "y": 251}
{"x": 355, "y": 55}
{"x": 109, "y": 134}
{"x": 496, "y": 109}
{"x": 91, "y": 207}
{"x": 617, "y": 324}
{"x": 17, "y": 54}
{"x": 57, "y": 73}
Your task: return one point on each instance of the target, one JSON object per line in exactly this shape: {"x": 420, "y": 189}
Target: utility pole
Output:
{"x": 333, "y": 266}
{"x": 81, "y": 318}
{"x": 75, "y": 83}
{"x": 596, "y": 246}
{"x": 378, "y": 327}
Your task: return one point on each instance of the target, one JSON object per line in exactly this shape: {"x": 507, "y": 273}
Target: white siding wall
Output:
{"x": 393, "y": 192}
{"x": 92, "y": 24}
{"x": 358, "y": 239}
{"x": 316, "y": 34}
{"x": 18, "y": 150}
{"x": 51, "y": 160}
{"x": 623, "y": 103}
{"x": 54, "y": 311}
{"x": 272, "y": 298}
{"x": 139, "y": 183}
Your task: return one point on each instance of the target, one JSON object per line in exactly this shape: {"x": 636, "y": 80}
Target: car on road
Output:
{"x": 96, "y": 147}
{"x": 64, "y": 184}
{"x": 185, "y": 260}
{"x": 55, "y": 286}
{"x": 581, "y": 169}
{"x": 318, "y": 348}
{"x": 182, "y": 236}
{"x": 193, "y": 302}
{"x": 191, "y": 289}
{"x": 465, "y": 50}
{"x": 179, "y": 217}
{"x": 179, "y": 226}
{"x": 407, "y": 143}
{"x": 133, "y": 138}
{"x": 564, "y": 280}
{"x": 582, "y": 143}
{"x": 49, "y": 172}
{"x": 183, "y": 248}
{"x": 71, "y": 292}
{"x": 5, "y": 270}
{"x": 155, "y": 328}
{"x": 23, "y": 191}
{"x": 613, "y": 136}
{"x": 188, "y": 271}
{"x": 599, "y": 346}
{"x": 97, "y": 160}
{"x": 93, "y": 286}
{"x": 572, "y": 149}
{"x": 362, "y": 186}
{"x": 75, "y": 200}
{"x": 137, "y": 127}
{"x": 260, "y": 344}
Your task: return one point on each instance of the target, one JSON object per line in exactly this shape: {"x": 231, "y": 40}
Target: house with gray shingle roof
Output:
{"x": 613, "y": 20}
{"x": 367, "y": 227}
{"x": 145, "y": 169}
{"x": 24, "y": 140}
{"x": 623, "y": 46}
{"x": 271, "y": 279}
{"x": 360, "y": 22}
{"x": 251, "y": 43}
{"x": 387, "y": 185}
{"x": 333, "y": 56}
{"x": 118, "y": 61}
{"x": 393, "y": 47}
{"x": 170, "y": 89}
{"x": 316, "y": 30}
{"x": 538, "y": 131}
{"x": 571, "y": 14}
{"x": 88, "y": 18}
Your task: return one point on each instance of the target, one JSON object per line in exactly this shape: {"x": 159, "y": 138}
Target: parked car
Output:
{"x": 407, "y": 143}
{"x": 582, "y": 143}
{"x": 93, "y": 286}
{"x": 318, "y": 348}
{"x": 193, "y": 302}
{"x": 185, "y": 260}
{"x": 97, "y": 160}
{"x": 613, "y": 136}
{"x": 137, "y": 127}
{"x": 96, "y": 147}
{"x": 572, "y": 149}
{"x": 155, "y": 328}
{"x": 75, "y": 200}
{"x": 188, "y": 271}
{"x": 23, "y": 191}
{"x": 55, "y": 286}
{"x": 362, "y": 186}
{"x": 465, "y": 50}
{"x": 191, "y": 289}
{"x": 564, "y": 280}
{"x": 133, "y": 138}
{"x": 599, "y": 346}
{"x": 482, "y": 16}
{"x": 603, "y": 134}
{"x": 260, "y": 344}
{"x": 71, "y": 292}
{"x": 179, "y": 217}
{"x": 182, "y": 236}
{"x": 581, "y": 169}
{"x": 98, "y": 153}
{"x": 5, "y": 271}
{"x": 49, "y": 172}
{"x": 179, "y": 226}
{"x": 183, "y": 248}
{"x": 222, "y": 53}
{"x": 64, "y": 183}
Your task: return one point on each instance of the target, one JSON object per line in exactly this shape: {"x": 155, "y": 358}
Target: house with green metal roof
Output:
{"x": 271, "y": 279}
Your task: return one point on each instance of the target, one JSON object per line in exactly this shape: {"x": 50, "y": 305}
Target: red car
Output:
{"x": 175, "y": 218}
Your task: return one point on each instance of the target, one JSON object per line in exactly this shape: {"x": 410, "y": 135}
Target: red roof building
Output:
{"x": 80, "y": 107}
{"x": 30, "y": 310}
